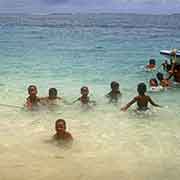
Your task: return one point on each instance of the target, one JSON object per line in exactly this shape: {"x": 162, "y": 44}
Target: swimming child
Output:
{"x": 142, "y": 99}
{"x": 52, "y": 98}
{"x": 153, "y": 82}
{"x": 151, "y": 65}
{"x": 163, "y": 81}
{"x": 84, "y": 99}
{"x": 61, "y": 133}
{"x": 154, "y": 86}
{"x": 115, "y": 93}
{"x": 32, "y": 100}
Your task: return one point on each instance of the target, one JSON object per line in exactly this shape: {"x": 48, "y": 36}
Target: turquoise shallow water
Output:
{"x": 67, "y": 52}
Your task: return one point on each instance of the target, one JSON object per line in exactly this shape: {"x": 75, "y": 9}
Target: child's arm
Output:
{"x": 59, "y": 98}
{"x": 128, "y": 105}
{"x": 153, "y": 103}
{"x": 28, "y": 104}
{"x": 170, "y": 76}
{"x": 43, "y": 100}
{"x": 76, "y": 100}
{"x": 62, "y": 100}
{"x": 108, "y": 95}
{"x": 65, "y": 102}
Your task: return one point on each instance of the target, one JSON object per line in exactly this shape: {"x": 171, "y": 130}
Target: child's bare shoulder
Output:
{"x": 136, "y": 97}
{"x": 68, "y": 135}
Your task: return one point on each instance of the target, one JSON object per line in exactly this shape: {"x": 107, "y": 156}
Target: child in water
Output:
{"x": 153, "y": 82}
{"x": 61, "y": 133}
{"x": 84, "y": 99}
{"x": 151, "y": 65}
{"x": 154, "y": 86}
{"x": 114, "y": 94}
{"x": 163, "y": 81}
{"x": 32, "y": 100}
{"x": 52, "y": 98}
{"x": 142, "y": 99}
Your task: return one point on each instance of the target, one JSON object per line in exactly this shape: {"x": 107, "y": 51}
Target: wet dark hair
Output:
{"x": 31, "y": 86}
{"x": 60, "y": 120}
{"x": 84, "y": 88}
{"x": 53, "y": 92}
{"x": 159, "y": 76}
{"x": 152, "y": 61}
{"x": 141, "y": 88}
{"x": 114, "y": 84}
{"x": 155, "y": 80}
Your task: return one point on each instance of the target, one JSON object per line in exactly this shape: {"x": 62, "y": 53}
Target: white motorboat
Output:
{"x": 172, "y": 54}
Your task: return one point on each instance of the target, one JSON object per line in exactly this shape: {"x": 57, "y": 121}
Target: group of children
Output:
{"x": 163, "y": 82}
{"x": 33, "y": 101}
{"x": 142, "y": 100}
{"x": 172, "y": 69}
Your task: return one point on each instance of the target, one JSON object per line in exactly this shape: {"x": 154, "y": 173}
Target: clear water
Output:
{"x": 68, "y": 51}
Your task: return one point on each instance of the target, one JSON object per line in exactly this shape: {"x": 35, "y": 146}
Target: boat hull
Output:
{"x": 168, "y": 54}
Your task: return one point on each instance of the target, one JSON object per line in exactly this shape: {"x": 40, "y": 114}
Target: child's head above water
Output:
{"x": 32, "y": 90}
{"x": 141, "y": 88}
{"x": 114, "y": 85}
{"x": 153, "y": 82}
{"x": 60, "y": 126}
{"x": 159, "y": 76}
{"x": 152, "y": 61}
{"x": 53, "y": 92}
{"x": 84, "y": 91}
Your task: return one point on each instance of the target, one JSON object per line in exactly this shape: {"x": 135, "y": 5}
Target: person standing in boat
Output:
{"x": 175, "y": 72}
{"x": 175, "y": 68}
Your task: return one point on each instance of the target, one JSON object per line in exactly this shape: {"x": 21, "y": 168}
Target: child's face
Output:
{"x": 115, "y": 88}
{"x": 152, "y": 83}
{"x": 84, "y": 92}
{"x": 60, "y": 127}
{"x": 52, "y": 95}
{"x": 32, "y": 91}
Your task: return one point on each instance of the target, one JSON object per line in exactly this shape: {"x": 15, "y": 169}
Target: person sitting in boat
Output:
{"x": 163, "y": 81}
{"x": 32, "y": 101}
{"x": 84, "y": 99}
{"x": 151, "y": 65}
{"x": 115, "y": 93}
{"x": 166, "y": 66}
{"x": 142, "y": 99}
{"x": 175, "y": 72}
{"x": 61, "y": 133}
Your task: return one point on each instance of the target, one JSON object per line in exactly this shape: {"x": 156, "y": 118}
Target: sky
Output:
{"x": 73, "y": 6}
